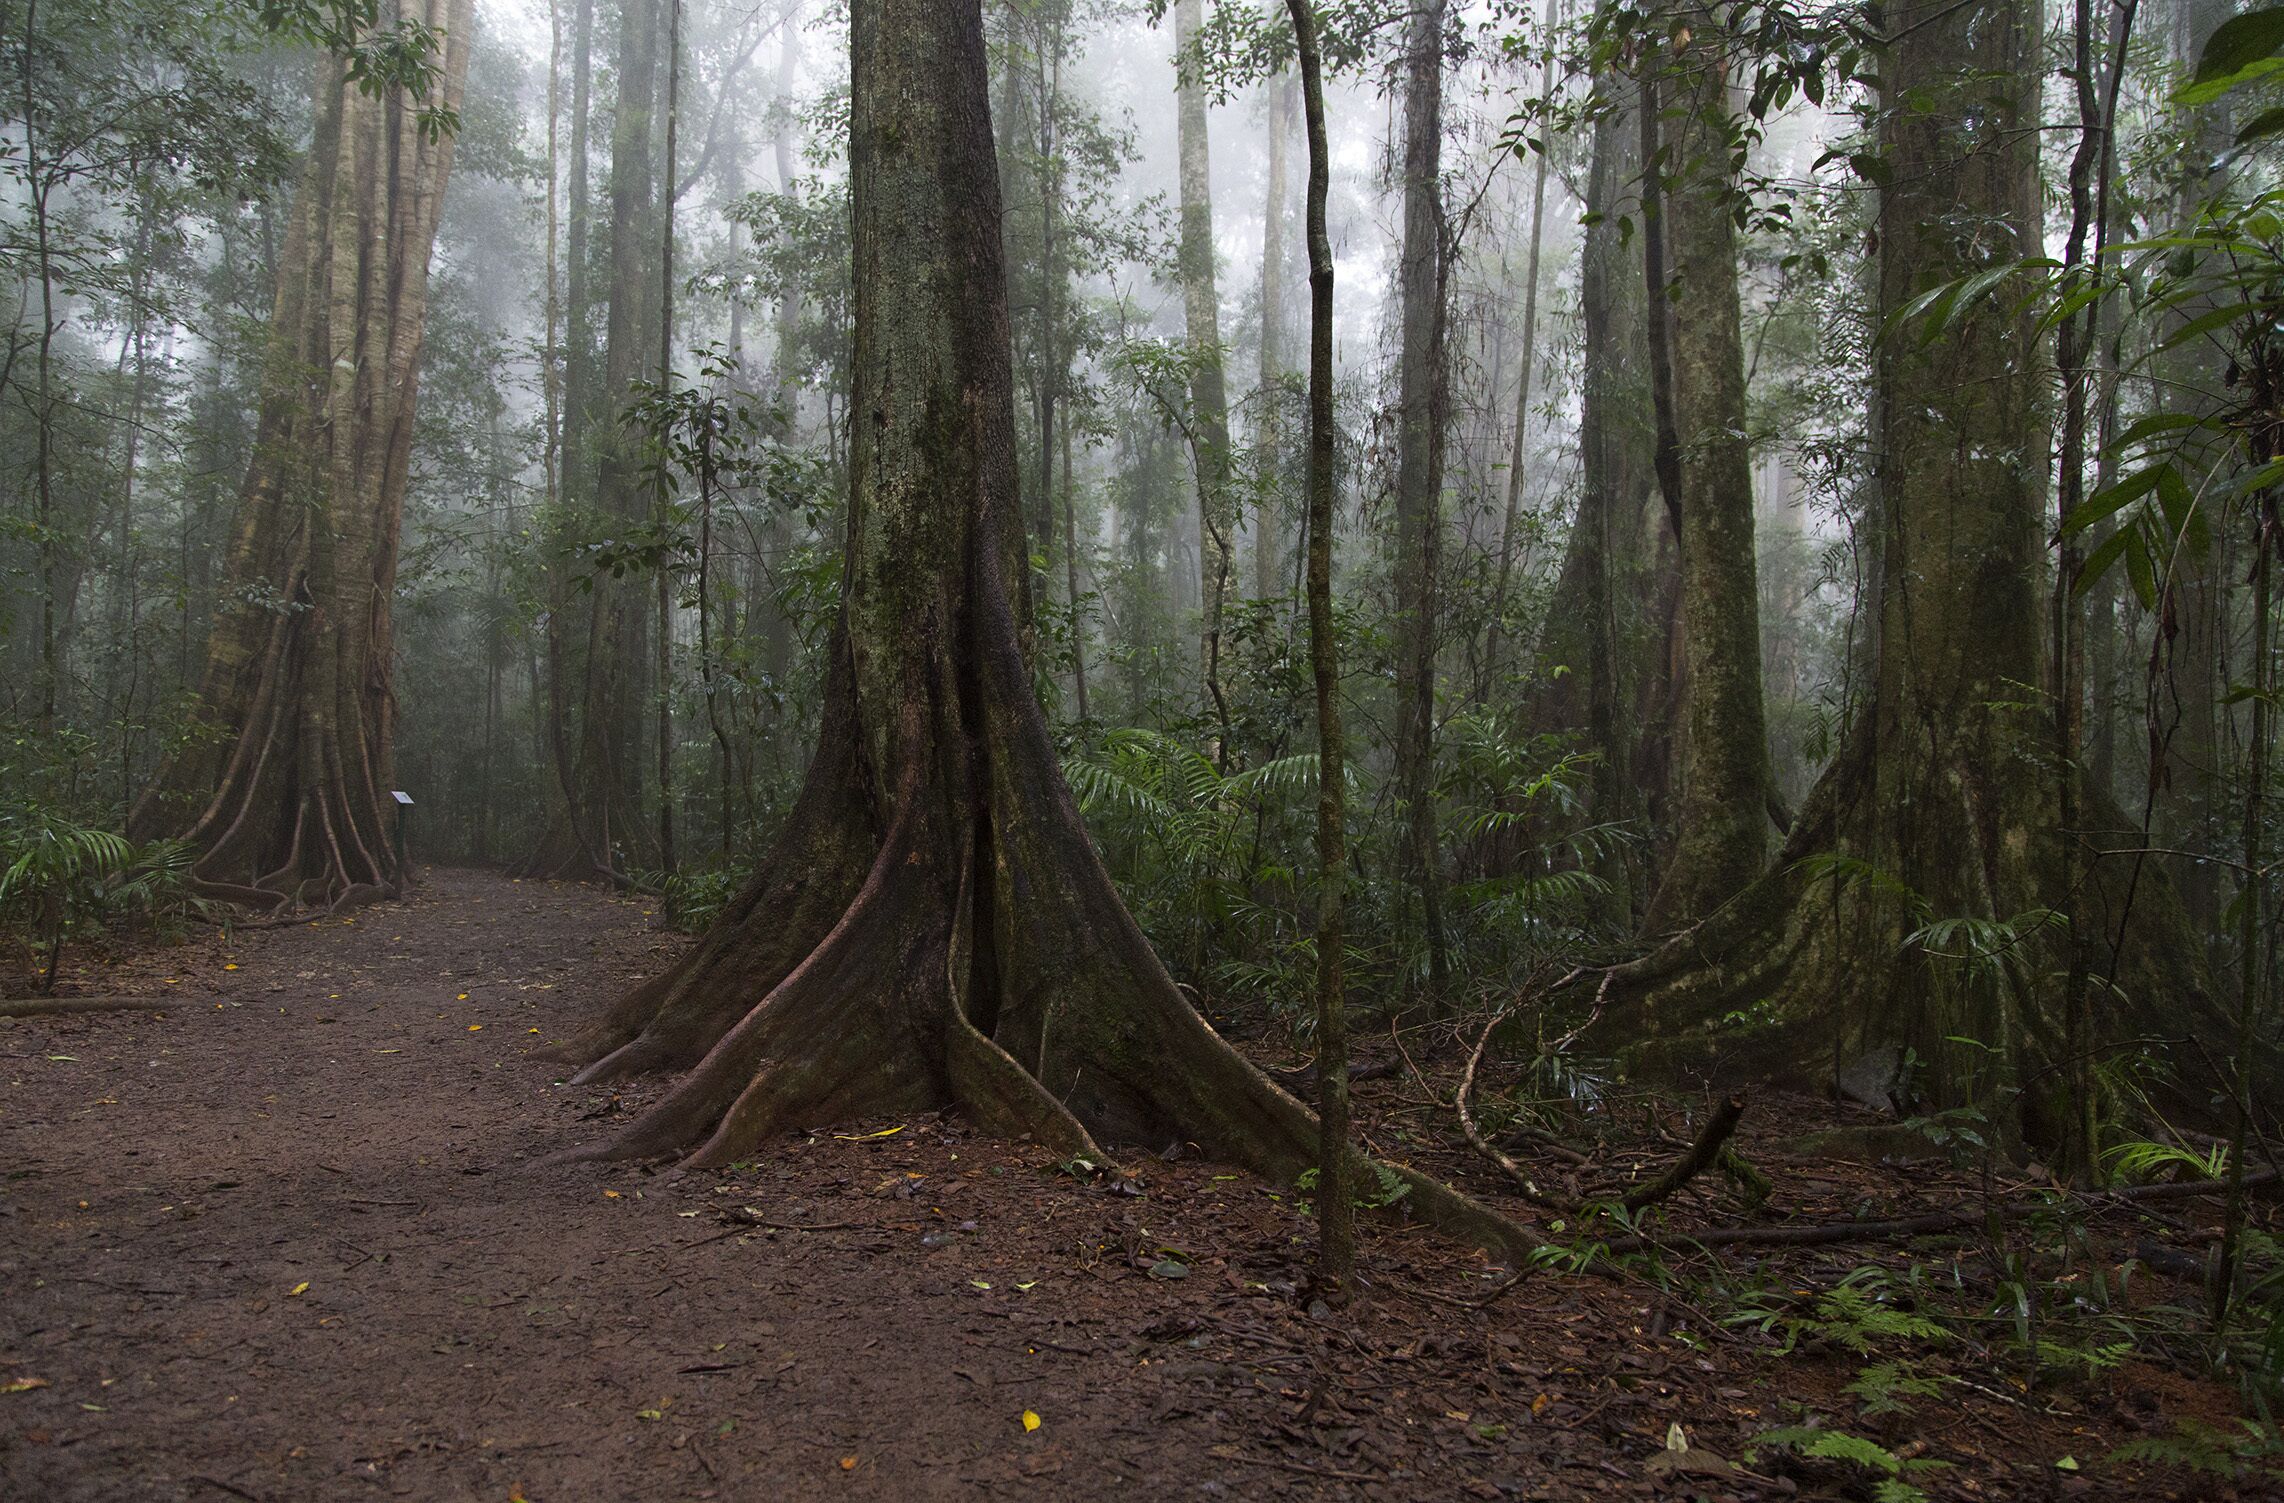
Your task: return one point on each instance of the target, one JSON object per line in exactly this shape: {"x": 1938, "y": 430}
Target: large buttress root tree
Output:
{"x": 282, "y": 782}
{"x": 1939, "y": 806}
{"x": 934, "y": 927}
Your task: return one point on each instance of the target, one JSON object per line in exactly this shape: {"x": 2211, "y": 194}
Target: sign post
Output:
{"x": 404, "y": 802}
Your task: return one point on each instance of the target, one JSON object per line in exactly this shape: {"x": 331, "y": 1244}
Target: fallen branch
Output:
{"x": 1483, "y": 1145}
{"x": 1712, "y": 1139}
{"x": 49, "y": 1007}
{"x": 1825, "y": 1234}
{"x": 1702, "y": 1155}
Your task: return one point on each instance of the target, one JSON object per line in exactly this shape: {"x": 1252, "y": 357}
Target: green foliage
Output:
{"x": 1888, "y": 1469}
{"x": 1866, "y": 1310}
{"x": 61, "y": 880}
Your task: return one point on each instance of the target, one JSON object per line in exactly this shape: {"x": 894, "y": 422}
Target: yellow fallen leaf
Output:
{"x": 388, "y": 1051}
{"x": 300, "y": 1288}
{"x": 848, "y": 1463}
{"x": 1030, "y": 1421}
{"x": 866, "y": 1137}
{"x": 22, "y": 1385}
{"x": 230, "y": 967}
{"x": 610, "y": 1195}
{"x": 475, "y": 1028}
{"x": 461, "y": 998}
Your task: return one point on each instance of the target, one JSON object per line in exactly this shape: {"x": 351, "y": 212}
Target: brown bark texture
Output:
{"x": 282, "y": 778}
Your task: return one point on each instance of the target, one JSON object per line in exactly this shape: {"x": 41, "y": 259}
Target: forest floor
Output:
{"x": 291, "y": 1235}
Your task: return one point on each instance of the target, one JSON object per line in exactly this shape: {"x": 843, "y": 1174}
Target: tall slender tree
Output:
{"x": 1423, "y": 412}
{"x": 1209, "y": 390}
{"x": 1336, "y": 1198}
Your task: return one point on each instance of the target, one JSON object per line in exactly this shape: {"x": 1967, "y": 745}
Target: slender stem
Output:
{"x": 1336, "y": 1212}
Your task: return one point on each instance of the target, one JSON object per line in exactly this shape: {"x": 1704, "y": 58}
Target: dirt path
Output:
{"x": 293, "y": 1240}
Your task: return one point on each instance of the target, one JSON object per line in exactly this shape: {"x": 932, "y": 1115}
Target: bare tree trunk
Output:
{"x": 1722, "y": 784}
{"x": 566, "y": 845}
{"x": 663, "y": 626}
{"x": 1209, "y": 393}
{"x": 1071, "y": 574}
{"x": 1336, "y": 1199}
{"x": 1268, "y": 530}
{"x": 934, "y": 926}
{"x": 285, "y": 799}
{"x": 1423, "y": 402}
{"x": 1492, "y": 652}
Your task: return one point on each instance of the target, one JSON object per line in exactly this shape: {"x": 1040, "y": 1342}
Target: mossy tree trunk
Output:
{"x": 1939, "y": 805}
{"x": 283, "y": 779}
{"x": 934, "y": 927}
{"x": 1722, "y": 787}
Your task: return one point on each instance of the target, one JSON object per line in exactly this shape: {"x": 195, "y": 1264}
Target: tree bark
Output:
{"x": 284, "y": 785}
{"x": 1336, "y": 1194}
{"x": 934, "y": 927}
{"x": 1722, "y": 785}
{"x": 1938, "y": 806}
{"x": 1209, "y": 393}
{"x": 1493, "y": 647}
{"x": 1268, "y": 532}
{"x": 1423, "y": 402}
{"x": 1614, "y": 584}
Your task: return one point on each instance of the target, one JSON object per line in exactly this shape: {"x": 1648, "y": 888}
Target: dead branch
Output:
{"x": 1702, "y": 1155}
{"x": 1825, "y": 1234}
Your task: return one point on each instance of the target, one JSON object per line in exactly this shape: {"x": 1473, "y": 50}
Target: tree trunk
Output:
{"x": 1336, "y": 1204}
{"x": 1722, "y": 786}
{"x": 1423, "y": 407}
{"x": 1613, "y": 585}
{"x": 1938, "y": 807}
{"x": 609, "y": 766}
{"x": 1209, "y": 394}
{"x": 934, "y": 927}
{"x": 1493, "y": 651}
{"x": 1268, "y": 533}
{"x": 285, "y": 790}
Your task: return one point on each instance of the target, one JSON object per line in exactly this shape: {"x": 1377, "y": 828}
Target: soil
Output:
{"x": 294, "y": 1233}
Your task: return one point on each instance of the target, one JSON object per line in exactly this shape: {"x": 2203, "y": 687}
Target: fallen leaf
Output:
{"x": 866, "y": 1137}
{"x": 610, "y": 1195}
{"x": 475, "y": 1028}
{"x": 461, "y": 998}
{"x": 1031, "y": 1421}
{"x": 300, "y": 1288}
{"x": 848, "y": 1463}
{"x": 22, "y": 1385}
{"x": 230, "y": 967}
